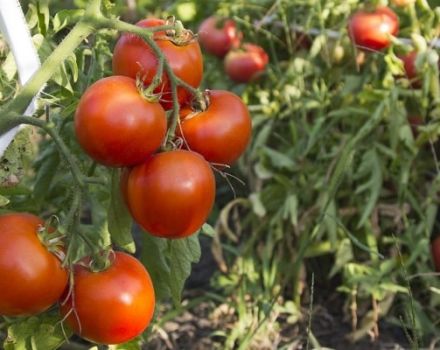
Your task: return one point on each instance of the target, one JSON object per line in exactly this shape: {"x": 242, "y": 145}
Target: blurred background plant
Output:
{"x": 328, "y": 241}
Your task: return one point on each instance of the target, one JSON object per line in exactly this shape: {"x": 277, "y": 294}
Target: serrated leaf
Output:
{"x": 370, "y": 167}
{"x": 119, "y": 218}
{"x": 208, "y": 230}
{"x": 182, "y": 253}
{"x": 42, "y": 332}
{"x": 153, "y": 256}
{"x": 66, "y": 17}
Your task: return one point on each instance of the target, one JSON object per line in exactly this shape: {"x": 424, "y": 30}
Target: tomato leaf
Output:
{"x": 119, "y": 219}
{"x": 153, "y": 256}
{"x": 42, "y": 332}
{"x": 182, "y": 253}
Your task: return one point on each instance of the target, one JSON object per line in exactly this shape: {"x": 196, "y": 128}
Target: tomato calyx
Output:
{"x": 52, "y": 237}
{"x": 147, "y": 92}
{"x": 179, "y": 36}
{"x": 100, "y": 261}
{"x": 199, "y": 103}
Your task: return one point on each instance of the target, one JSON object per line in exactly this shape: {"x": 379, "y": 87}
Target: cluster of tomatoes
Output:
{"x": 121, "y": 121}
{"x": 243, "y": 62}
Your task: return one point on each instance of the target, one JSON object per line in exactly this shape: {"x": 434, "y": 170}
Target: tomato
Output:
{"x": 221, "y": 132}
{"x": 435, "y": 251}
{"x": 133, "y": 57}
{"x": 116, "y": 126}
{"x": 171, "y": 194}
{"x": 245, "y": 64}
{"x": 402, "y": 3}
{"x": 372, "y": 30}
{"x": 218, "y": 39}
{"x": 410, "y": 68}
{"x": 111, "y": 306}
{"x": 31, "y": 278}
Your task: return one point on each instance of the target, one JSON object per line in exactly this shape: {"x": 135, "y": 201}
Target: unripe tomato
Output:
{"x": 133, "y": 57}
{"x": 116, "y": 126}
{"x": 221, "y": 132}
{"x": 245, "y": 64}
{"x": 31, "y": 278}
{"x": 216, "y": 39}
{"x": 111, "y": 306}
{"x": 171, "y": 194}
{"x": 435, "y": 251}
{"x": 410, "y": 68}
{"x": 372, "y": 30}
{"x": 402, "y": 3}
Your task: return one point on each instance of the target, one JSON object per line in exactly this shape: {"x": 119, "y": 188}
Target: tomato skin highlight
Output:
{"x": 31, "y": 278}
{"x": 113, "y": 306}
{"x": 218, "y": 40}
{"x": 435, "y": 251}
{"x": 171, "y": 194}
{"x": 115, "y": 125}
{"x": 133, "y": 57}
{"x": 372, "y": 30}
{"x": 245, "y": 64}
{"x": 222, "y": 132}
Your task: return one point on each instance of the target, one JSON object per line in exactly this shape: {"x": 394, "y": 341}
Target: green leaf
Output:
{"x": 153, "y": 257}
{"x": 131, "y": 345}
{"x": 65, "y": 18}
{"x": 42, "y": 332}
{"x": 371, "y": 167}
{"x": 278, "y": 159}
{"x": 182, "y": 253}
{"x": 119, "y": 218}
{"x": 208, "y": 230}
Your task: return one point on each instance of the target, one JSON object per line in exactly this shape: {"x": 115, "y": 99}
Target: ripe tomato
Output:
{"x": 410, "y": 68}
{"x": 435, "y": 251}
{"x": 111, "y": 306}
{"x": 116, "y": 126}
{"x": 218, "y": 39}
{"x": 133, "y": 57}
{"x": 243, "y": 65}
{"x": 31, "y": 278}
{"x": 221, "y": 132}
{"x": 171, "y": 194}
{"x": 372, "y": 30}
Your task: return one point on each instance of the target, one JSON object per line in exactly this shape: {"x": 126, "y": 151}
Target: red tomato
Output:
{"x": 216, "y": 39}
{"x": 410, "y": 68}
{"x": 31, "y": 278}
{"x": 133, "y": 57}
{"x": 244, "y": 65}
{"x": 171, "y": 194}
{"x": 372, "y": 30}
{"x": 116, "y": 126}
{"x": 221, "y": 132}
{"x": 435, "y": 251}
{"x": 111, "y": 306}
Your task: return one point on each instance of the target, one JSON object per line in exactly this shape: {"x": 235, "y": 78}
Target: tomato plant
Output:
{"x": 32, "y": 278}
{"x": 111, "y": 306}
{"x": 218, "y": 36}
{"x": 171, "y": 194}
{"x": 373, "y": 30}
{"x": 115, "y": 125}
{"x": 133, "y": 57}
{"x": 221, "y": 132}
{"x": 247, "y": 63}
{"x": 402, "y": 3}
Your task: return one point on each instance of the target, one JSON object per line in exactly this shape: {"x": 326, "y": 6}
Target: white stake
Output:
{"x": 16, "y": 32}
